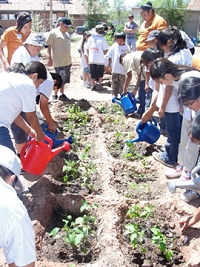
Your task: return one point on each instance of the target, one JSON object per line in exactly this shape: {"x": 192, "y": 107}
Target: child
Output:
{"x": 117, "y": 69}
{"x": 83, "y": 62}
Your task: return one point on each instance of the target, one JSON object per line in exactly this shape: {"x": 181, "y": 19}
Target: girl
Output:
{"x": 14, "y": 37}
{"x": 84, "y": 63}
{"x": 168, "y": 73}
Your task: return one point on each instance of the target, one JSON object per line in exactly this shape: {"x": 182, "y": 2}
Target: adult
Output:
{"x": 14, "y": 36}
{"x": 58, "y": 41}
{"x": 24, "y": 54}
{"x": 130, "y": 29}
{"x": 97, "y": 47}
{"x": 17, "y": 94}
{"x": 17, "y": 236}
{"x": 151, "y": 22}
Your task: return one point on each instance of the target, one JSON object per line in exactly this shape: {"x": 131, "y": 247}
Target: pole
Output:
{"x": 50, "y": 14}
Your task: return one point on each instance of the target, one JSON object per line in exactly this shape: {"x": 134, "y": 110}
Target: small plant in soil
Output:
{"x": 101, "y": 109}
{"x": 77, "y": 118}
{"x": 78, "y": 230}
{"x": 143, "y": 237}
{"x": 130, "y": 153}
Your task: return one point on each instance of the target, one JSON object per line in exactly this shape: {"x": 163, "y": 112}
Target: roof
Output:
{"x": 74, "y": 7}
{"x": 194, "y": 5}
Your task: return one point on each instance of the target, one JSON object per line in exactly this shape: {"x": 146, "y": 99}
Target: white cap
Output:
{"x": 10, "y": 160}
{"x": 36, "y": 39}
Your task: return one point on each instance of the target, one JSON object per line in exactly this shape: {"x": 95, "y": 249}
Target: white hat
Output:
{"x": 36, "y": 39}
{"x": 9, "y": 160}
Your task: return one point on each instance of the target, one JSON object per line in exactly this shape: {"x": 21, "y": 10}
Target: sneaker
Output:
{"x": 189, "y": 195}
{"x": 63, "y": 97}
{"x": 175, "y": 173}
{"x": 54, "y": 97}
{"x": 185, "y": 176}
{"x": 94, "y": 88}
{"x": 88, "y": 84}
{"x": 171, "y": 186}
{"x": 158, "y": 156}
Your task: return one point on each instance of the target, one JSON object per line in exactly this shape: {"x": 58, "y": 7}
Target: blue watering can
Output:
{"x": 53, "y": 136}
{"x": 147, "y": 132}
{"x": 127, "y": 102}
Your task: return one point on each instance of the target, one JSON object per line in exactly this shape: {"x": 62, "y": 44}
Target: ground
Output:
{"x": 100, "y": 171}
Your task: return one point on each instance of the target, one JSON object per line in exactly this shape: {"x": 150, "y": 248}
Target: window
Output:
{"x": 11, "y": 16}
{"x": 4, "y": 16}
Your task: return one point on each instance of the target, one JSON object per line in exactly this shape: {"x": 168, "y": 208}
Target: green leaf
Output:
{"x": 162, "y": 246}
{"x": 54, "y": 231}
{"x": 169, "y": 254}
{"x": 78, "y": 239}
{"x": 79, "y": 221}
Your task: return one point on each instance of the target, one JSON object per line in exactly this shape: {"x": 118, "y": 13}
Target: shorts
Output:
{"x": 20, "y": 136}
{"x": 96, "y": 71}
{"x": 5, "y": 138}
{"x": 64, "y": 73}
{"x": 20, "y": 246}
{"x": 86, "y": 70}
{"x": 118, "y": 81}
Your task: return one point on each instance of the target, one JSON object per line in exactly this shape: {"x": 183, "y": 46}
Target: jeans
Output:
{"x": 173, "y": 128}
{"x": 148, "y": 98}
{"x": 141, "y": 96}
{"x": 130, "y": 41}
{"x": 5, "y": 139}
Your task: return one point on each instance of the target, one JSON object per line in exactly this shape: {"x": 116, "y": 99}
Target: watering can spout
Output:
{"x": 66, "y": 146}
{"x": 136, "y": 139}
{"x": 115, "y": 100}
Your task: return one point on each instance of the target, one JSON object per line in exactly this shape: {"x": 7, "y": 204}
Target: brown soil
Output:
{"x": 116, "y": 181}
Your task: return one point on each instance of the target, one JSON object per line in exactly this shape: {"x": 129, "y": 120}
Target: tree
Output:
{"x": 174, "y": 11}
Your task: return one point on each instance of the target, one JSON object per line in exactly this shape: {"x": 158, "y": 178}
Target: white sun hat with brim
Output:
{"x": 10, "y": 160}
{"x": 36, "y": 39}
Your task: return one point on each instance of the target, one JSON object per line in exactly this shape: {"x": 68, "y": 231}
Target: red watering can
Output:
{"x": 36, "y": 155}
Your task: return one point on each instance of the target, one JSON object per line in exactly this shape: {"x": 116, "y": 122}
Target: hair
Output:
{"x": 58, "y": 78}
{"x": 121, "y": 35}
{"x": 30, "y": 68}
{"x": 173, "y": 34}
{"x": 195, "y": 132}
{"x": 130, "y": 16}
{"x": 4, "y": 172}
{"x": 85, "y": 35}
{"x": 189, "y": 89}
{"x": 123, "y": 55}
{"x": 147, "y": 7}
{"x": 150, "y": 54}
{"x": 22, "y": 19}
{"x": 162, "y": 66}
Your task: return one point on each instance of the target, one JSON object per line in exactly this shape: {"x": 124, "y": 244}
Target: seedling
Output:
{"x": 131, "y": 153}
{"x": 160, "y": 239}
{"x": 78, "y": 230}
{"x": 101, "y": 108}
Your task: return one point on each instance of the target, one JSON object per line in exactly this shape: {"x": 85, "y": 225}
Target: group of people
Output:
{"x": 166, "y": 82}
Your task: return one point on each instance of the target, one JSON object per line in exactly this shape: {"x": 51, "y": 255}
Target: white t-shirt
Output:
{"x": 17, "y": 93}
{"x": 21, "y": 55}
{"x": 114, "y": 53}
{"x": 132, "y": 62}
{"x": 96, "y": 45}
{"x": 187, "y": 39}
{"x": 183, "y": 57}
{"x": 16, "y": 230}
{"x": 83, "y": 62}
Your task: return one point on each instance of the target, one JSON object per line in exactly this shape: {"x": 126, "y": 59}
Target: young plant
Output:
{"x": 78, "y": 230}
{"x": 160, "y": 239}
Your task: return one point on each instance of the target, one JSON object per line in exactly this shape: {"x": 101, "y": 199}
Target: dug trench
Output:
{"x": 127, "y": 216}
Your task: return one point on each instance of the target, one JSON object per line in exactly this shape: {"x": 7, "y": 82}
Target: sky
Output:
{"x": 128, "y": 3}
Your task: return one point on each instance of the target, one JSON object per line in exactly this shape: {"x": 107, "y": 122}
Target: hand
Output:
{"x": 146, "y": 116}
{"x": 40, "y": 136}
{"x": 52, "y": 127}
{"x": 32, "y": 133}
{"x": 124, "y": 92}
{"x": 134, "y": 92}
{"x": 146, "y": 88}
{"x": 50, "y": 62}
{"x": 161, "y": 112}
{"x": 184, "y": 223}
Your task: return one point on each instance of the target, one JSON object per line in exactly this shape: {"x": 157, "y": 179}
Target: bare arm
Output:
{"x": 33, "y": 120}
{"x": 190, "y": 221}
{"x": 46, "y": 112}
{"x": 22, "y": 124}
{"x": 167, "y": 94}
{"x": 50, "y": 61}
{"x": 2, "y": 55}
{"x": 127, "y": 82}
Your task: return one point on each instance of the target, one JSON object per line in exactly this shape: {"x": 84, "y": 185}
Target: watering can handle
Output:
{"x": 48, "y": 140}
{"x": 153, "y": 121}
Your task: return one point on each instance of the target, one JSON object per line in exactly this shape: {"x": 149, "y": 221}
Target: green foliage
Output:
{"x": 135, "y": 211}
{"x": 38, "y": 25}
{"x": 160, "y": 239}
{"x": 109, "y": 38}
{"x": 78, "y": 230}
{"x": 130, "y": 153}
{"x": 175, "y": 12}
